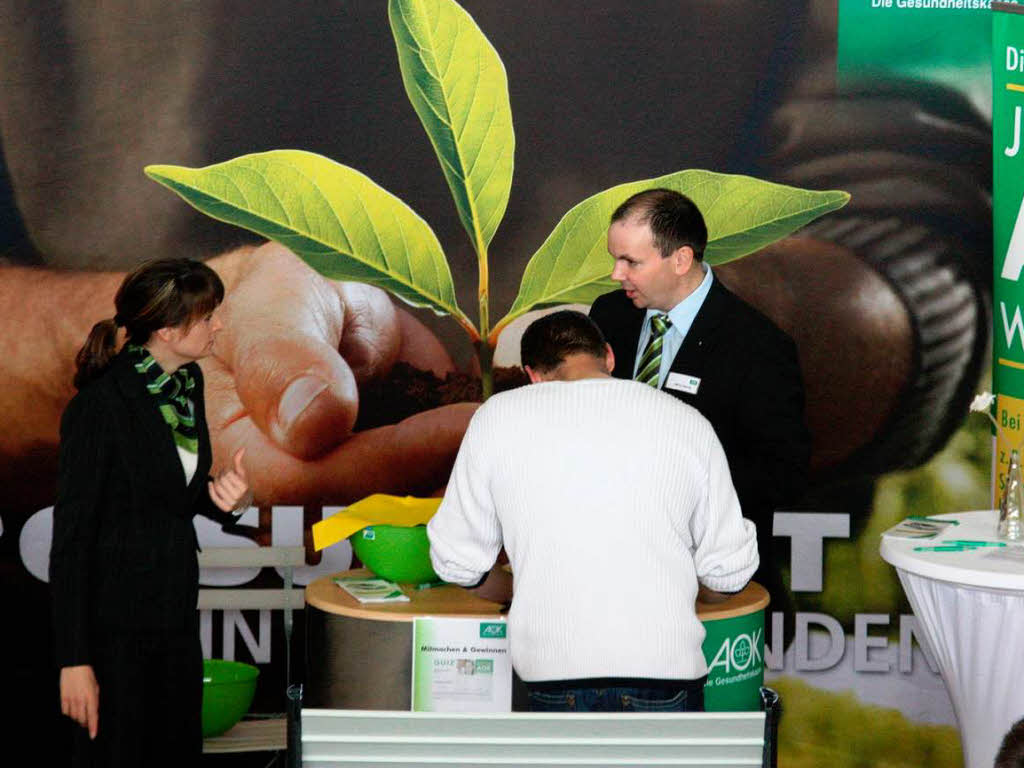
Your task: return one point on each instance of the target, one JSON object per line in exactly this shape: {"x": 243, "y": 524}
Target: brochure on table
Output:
{"x": 461, "y": 665}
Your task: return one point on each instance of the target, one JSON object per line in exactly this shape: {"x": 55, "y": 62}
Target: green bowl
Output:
{"x": 228, "y": 688}
{"x": 395, "y": 553}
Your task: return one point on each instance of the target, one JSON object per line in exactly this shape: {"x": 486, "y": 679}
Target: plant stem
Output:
{"x": 484, "y": 351}
{"x": 485, "y": 355}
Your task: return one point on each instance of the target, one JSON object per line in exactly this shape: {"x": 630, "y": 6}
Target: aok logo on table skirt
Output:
{"x": 734, "y": 650}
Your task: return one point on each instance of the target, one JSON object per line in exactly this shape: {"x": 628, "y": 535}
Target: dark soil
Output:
{"x": 407, "y": 391}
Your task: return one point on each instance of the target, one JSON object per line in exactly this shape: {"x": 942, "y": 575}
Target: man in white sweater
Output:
{"x": 614, "y": 502}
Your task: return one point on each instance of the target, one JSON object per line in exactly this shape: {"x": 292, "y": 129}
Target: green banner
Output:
{"x": 913, "y": 40}
{"x": 1008, "y": 228}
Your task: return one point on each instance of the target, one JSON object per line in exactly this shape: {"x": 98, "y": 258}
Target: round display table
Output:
{"x": 971, "y": 608}
{"x": 734, "y": 650}
{"x": 359, "y": 655}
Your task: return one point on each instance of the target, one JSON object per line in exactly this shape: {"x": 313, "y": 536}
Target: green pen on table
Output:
{"x": 431, "y": 584}
{"x": 969, "y": 543}
{"x": 946, "y": 548}
{"x": 932, "y": 519}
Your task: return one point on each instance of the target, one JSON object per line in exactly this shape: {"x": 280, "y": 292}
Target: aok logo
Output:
{"x": 1013, "y": 261}
{"x": 738, "y": 653}
{"x": 492, "y": 629}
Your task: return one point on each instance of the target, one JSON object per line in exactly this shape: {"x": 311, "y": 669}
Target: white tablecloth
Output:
{"x": 971, "y": 609}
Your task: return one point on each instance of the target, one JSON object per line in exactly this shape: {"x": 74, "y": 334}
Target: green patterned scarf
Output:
{"x": 171, "y": 392}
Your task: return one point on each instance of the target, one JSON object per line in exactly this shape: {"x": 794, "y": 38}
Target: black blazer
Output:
{"x": 124, "y": 548}
{"x": 750, "y": 390}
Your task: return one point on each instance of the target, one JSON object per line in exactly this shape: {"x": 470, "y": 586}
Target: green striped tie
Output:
{"x": 650, "y": 362}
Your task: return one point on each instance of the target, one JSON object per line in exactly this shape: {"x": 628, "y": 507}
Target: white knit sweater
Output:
{"x": 612, "y": 500}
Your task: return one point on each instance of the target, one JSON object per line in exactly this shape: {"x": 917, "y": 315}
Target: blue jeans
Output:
{"x": 687, "y": 698}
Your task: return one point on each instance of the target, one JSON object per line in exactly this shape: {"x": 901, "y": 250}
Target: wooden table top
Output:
{"x": 452, "y": 600}
{"x": 751, "y": 598}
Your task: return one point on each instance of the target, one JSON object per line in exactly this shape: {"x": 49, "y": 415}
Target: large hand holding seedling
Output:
{"x": 277, "y": 385}
{"x": 347, "y": 227}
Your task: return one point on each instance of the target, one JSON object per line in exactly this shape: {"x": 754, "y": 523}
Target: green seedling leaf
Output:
{"x": 337, "y": 220}
{"x": 743, "y": 215}
{"x": 457, "y": 85}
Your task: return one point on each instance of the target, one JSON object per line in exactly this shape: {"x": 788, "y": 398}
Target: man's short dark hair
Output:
{"x": 1011, "y": 752}
{"x": 550, "y": 339}
{"x": 674, "y": 219}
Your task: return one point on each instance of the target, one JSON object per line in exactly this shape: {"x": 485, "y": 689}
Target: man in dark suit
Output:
{"x": 676, "y": 327}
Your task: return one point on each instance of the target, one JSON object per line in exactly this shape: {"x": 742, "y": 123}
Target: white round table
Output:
{"x": 971, "y": 610}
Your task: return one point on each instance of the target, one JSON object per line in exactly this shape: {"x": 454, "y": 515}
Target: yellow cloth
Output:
{"x": 379, "y": 509}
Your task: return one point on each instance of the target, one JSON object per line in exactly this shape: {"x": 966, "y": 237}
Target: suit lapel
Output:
{"x": 627, "y": 326}
{"x": 704, "y": 334}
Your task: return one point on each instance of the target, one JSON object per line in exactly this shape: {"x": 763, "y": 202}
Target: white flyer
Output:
{"x": 461, "y": 665}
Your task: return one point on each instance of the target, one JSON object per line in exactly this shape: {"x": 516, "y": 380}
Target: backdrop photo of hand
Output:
{"x": 284, "y": 383}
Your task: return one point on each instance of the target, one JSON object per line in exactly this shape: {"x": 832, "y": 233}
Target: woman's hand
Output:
{"x": 230, "y": 487}
{"x": 80, "y": 697}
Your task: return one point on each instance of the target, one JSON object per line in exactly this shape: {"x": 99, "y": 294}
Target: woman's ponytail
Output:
{"x": 97, "y": 352}
{"x": 166, "y": 293}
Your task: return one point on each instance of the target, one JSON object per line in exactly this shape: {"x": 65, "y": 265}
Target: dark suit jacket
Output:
{"x": 124, "y": 548}
{"x": 750, "y": 390}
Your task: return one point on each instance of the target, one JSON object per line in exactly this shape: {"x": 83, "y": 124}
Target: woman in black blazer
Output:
{"x": 134, "y": 463}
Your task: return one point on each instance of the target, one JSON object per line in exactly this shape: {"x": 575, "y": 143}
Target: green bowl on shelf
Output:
{"x": 228, "y": 688}
{"x": 395, "y": 553}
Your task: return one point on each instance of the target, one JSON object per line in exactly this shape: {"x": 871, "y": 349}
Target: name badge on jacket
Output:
{"x": 682, "y": 382}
